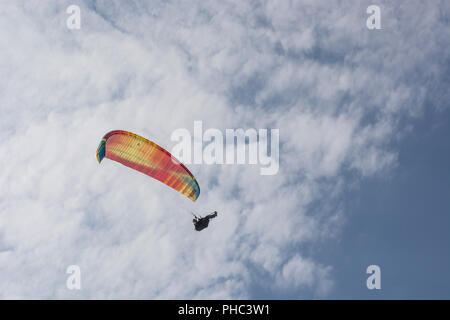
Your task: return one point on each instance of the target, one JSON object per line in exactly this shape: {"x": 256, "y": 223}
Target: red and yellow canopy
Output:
{"x": 147, "y": 157}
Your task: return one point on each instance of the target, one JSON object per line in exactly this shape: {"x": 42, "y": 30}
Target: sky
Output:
{"x": 363, "y": 118}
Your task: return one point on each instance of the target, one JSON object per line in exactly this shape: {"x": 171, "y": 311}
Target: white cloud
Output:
{"x": 300, "y": 272}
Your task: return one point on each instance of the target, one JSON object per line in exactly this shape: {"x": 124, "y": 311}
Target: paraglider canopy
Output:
{"x": 149, "y": 158}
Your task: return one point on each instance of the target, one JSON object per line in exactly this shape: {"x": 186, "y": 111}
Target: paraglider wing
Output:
{"x": 147, "y": 157}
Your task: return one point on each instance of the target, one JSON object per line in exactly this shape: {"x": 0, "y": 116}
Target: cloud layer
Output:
{"x": 341, "y": 95}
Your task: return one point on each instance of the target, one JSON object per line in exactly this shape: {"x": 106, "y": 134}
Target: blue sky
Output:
{"x": 363, "y": 117}
{"x": 400, "y": 222}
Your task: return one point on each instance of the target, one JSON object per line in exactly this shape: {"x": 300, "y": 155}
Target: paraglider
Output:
{"x": 147, "y": 157}
{"x": 202, "y": 223}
